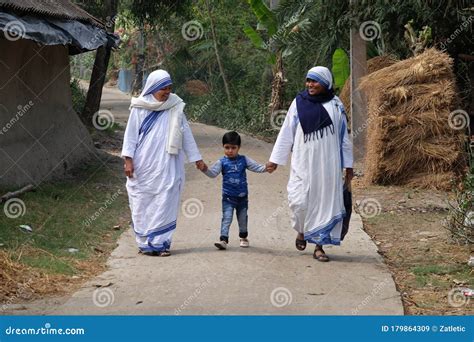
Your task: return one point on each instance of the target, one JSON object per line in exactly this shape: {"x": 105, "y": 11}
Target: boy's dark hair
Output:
{"x": 231, "y": 138}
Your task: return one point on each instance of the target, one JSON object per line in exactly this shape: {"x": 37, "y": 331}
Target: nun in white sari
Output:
{"x": 315, "y": 129}
{"x": 157, "y": 140}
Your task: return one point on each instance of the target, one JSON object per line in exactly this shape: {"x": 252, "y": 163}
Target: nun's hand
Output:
{"x": 128, "y": 167}
{"x": 349, "y": 175}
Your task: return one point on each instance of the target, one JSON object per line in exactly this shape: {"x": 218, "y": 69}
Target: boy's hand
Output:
{"x": 270, "y": 167}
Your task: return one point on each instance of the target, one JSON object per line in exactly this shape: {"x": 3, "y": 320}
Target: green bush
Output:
{"x": 78, "y": 95}
{"x": 460, "y": 221}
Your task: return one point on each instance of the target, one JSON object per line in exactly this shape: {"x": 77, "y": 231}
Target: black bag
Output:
{"x": 347, "y": 195}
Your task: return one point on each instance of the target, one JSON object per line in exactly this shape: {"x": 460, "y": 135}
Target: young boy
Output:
{"x": 234, "y": 187}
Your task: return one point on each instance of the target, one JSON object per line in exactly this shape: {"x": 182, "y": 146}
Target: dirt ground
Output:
{"x": 425, "y": 263}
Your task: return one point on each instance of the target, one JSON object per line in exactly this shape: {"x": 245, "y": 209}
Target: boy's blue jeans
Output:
{"x": 240, "y": 204}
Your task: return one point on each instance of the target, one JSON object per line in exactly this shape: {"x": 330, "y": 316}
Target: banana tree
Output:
{"x": 274, "y": 42}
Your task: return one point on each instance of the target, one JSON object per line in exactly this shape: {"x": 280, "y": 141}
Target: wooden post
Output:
{"x": 358, "y": 57}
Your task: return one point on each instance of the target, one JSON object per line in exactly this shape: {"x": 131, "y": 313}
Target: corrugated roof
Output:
{"x": 63, "y": 9}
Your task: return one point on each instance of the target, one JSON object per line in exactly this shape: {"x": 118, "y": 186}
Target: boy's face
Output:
{"x": 231, "y": 151}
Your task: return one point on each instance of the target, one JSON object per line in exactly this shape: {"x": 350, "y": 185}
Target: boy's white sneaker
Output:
{"x": 221, "y": 244}
{"x": 244, "y": 242}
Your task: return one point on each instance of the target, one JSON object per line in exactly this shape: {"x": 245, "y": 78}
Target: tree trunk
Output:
{"x": 99, "y": 70}
{"x": 138, "y": 80}
{"x": 277, "y": 85}
{"x": 216, "y": 50}
{"x": 278, "y": 79}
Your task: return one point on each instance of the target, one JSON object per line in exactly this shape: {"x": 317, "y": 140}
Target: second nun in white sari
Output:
{"x": 315, "y": 129}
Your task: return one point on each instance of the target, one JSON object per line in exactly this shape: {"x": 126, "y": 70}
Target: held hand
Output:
{"x": 270, "y": 167}
{"x": 349, "y": 176}
{"x": 201, "y": 166}
{"x": 128, "y": 167}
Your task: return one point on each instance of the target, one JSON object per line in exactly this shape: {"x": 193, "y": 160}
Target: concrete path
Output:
{"x": 270, "y": 277}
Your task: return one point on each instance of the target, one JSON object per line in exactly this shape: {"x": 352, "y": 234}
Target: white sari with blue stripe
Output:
{"x": 155, "y": 188}
{"x": 315, "y": 185}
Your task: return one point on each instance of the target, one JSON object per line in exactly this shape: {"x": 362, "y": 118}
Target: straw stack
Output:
{"x": 409, "y": 139}
{"x": 373, "y": 64}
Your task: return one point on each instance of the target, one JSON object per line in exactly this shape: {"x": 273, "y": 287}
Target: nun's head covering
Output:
{"x": 322, "y": 75}
{"x": 157, "y": 80}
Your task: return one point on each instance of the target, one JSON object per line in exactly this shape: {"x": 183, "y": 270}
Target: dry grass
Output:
{"x": 19, "y": 282}
{"x": 409, "y": 139}
{"x": 373, "y": 64}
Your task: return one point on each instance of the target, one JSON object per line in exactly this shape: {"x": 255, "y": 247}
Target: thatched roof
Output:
{"x": 61, "y": 9}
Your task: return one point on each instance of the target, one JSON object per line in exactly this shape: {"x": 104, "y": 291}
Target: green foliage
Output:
{"x": 264, "y": 15}
{"x": 460, "y": 222}
{"x": 306, "y": 33}
{"x": 78, "y": 96}
{"x": 340, "y": 68}
{"x": 254, "y": 37}
{"x": 94, "y": 7}
{"x": 155, "y": 12}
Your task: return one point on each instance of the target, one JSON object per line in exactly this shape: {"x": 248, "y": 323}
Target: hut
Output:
{"x": 41, "y": 136}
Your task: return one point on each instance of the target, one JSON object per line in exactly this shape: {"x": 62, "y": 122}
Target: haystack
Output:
{"x": 409, "y": 139}
{"x": 373, "y": 64}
